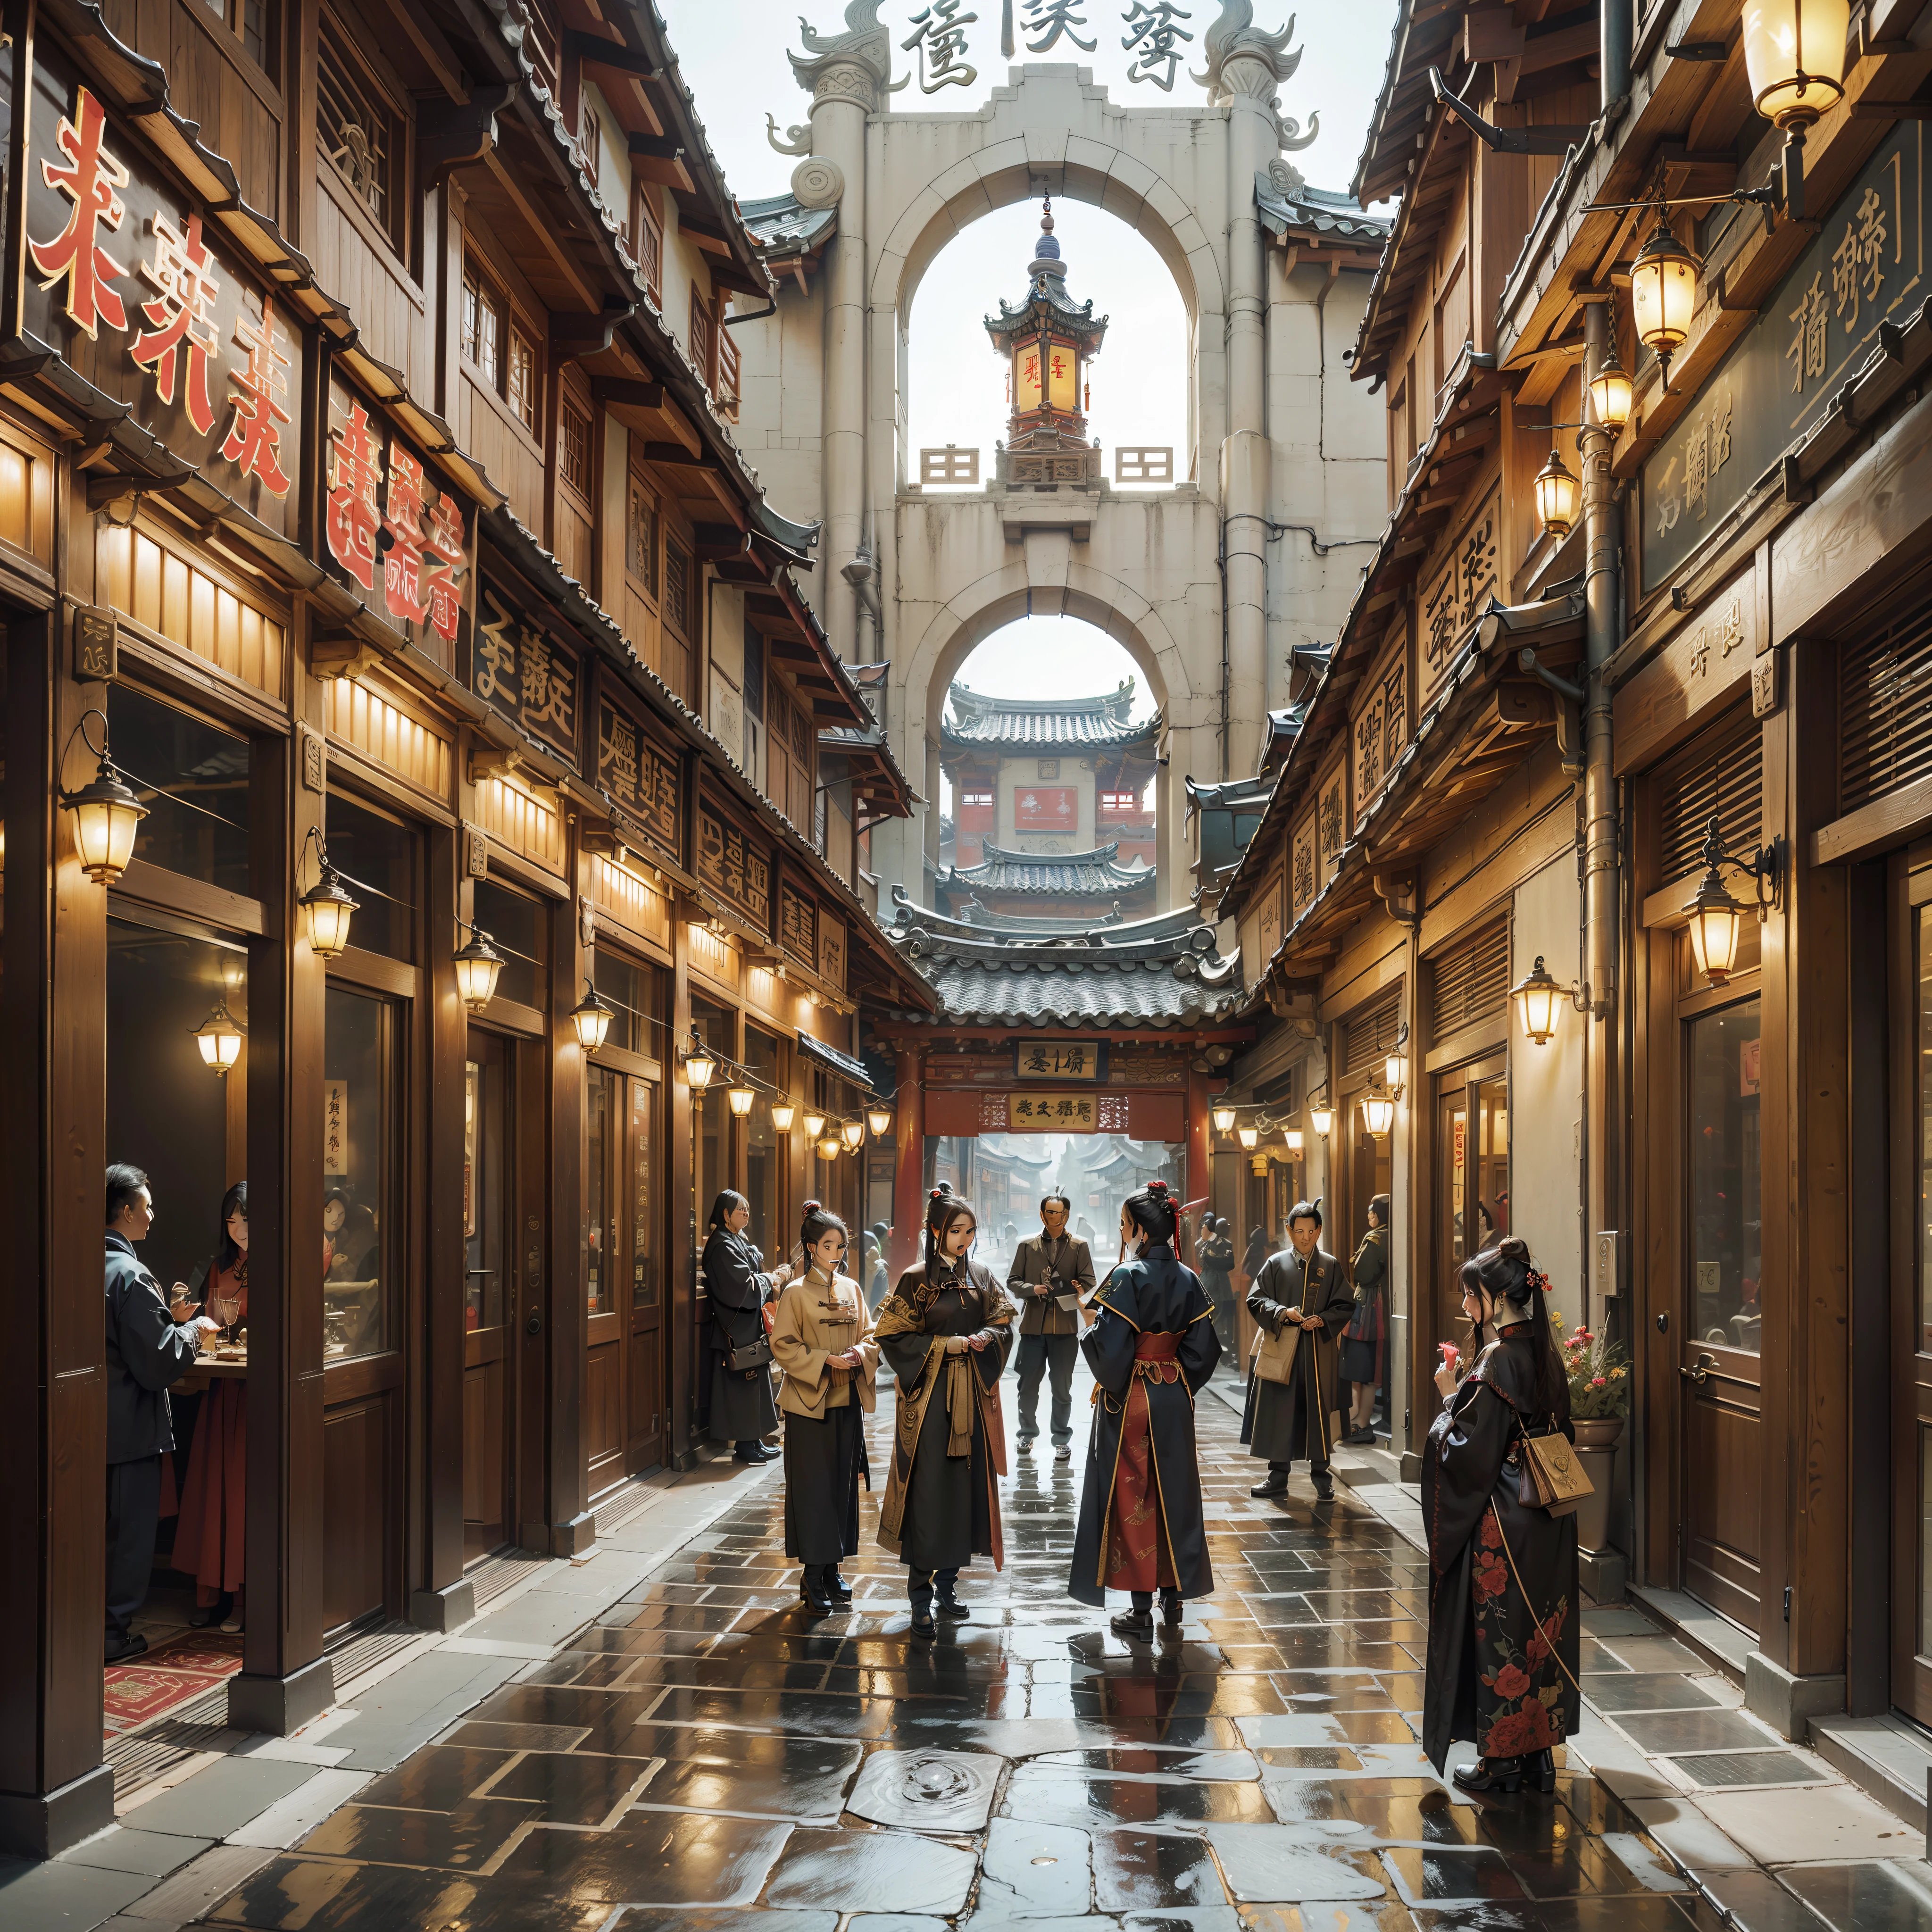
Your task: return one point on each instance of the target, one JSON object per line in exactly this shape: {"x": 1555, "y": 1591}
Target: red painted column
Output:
{"x": 909, "y": 1182}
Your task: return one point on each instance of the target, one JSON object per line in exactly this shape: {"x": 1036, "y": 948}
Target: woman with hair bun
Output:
{"x": 946, "y": 1330}
{"x": 1502, "y": 1593}
{"x": 1151, "y": 1346}
{"x": 822, "y": 1342}
{"x": 739, "y": 1286}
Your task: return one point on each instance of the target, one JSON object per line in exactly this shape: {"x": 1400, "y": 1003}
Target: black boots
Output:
{"x": 1542, "y": 1767}
{"x": 1137, "y": 1622}
{"x": 950, "y": 1607}
{"x": 1170, "y": 1609}
{"x": 813, "y": 1595}
{"x": 1491, "y": 1774}
{"x": 836, "y": 1587}
{"x": 1274, "y": 1483}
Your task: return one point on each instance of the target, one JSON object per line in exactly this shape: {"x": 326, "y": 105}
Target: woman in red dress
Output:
{"x": 208, "y": 1536}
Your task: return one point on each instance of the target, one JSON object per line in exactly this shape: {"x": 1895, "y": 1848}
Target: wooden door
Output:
{"x": 646, "y": 1408}
{"x": 1719, "y": 1316}
{"x": 608, "y": 1293}
{"x": 1472, "y": 1193}
{"x": 1912, "y": 1290}
{"x": 489, "y": 1297}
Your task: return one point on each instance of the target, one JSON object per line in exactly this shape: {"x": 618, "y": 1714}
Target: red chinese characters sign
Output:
{"x": 1045, "y": 808}
{"x": 123, "y": 279}
{"x": 392, "y": 530}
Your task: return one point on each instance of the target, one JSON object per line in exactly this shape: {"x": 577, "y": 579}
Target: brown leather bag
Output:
{"x": 1273, "y": 1359}
{"x": 1551, "y": 1478}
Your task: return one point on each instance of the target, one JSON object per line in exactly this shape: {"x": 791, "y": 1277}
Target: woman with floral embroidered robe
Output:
{"x": 945, "y": 1331}
{"x": 1503, "y": 1649}
{"x": 1151, "y": 1346}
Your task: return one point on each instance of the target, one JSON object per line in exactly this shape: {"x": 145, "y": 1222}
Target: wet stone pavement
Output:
{"x": 703, "y": 1756}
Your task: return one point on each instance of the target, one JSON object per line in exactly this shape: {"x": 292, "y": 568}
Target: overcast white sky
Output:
{"x": 732, "y": 55}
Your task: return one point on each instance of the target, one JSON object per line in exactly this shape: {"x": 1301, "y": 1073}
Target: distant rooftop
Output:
{"x": 1100, "y": 721}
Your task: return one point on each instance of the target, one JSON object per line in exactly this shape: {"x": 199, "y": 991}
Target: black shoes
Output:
{"x": 923, "y": 1625}
{"x": 1364, "y": 1438}
{"x": 1270, "y": 1485}
{"x": 813, "y": 1595}
{"x": 136, "y": 1645}
{"x": 1133, "y": 1623}
{"x": 836, "y": 1587}
{"x": 1542, "y": 1767}
{"x": 1493, "y": 1774}
{"x": 756, "y": 1456}
{"x": 950, "y": 1607}
{"x": 216, "y": 1612}
{"x": 1170, "y": 1609}
{"x": 1324, "y": 1489}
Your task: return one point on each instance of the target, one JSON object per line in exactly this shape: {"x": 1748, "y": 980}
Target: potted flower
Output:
{"x": 1600, "y": 1400}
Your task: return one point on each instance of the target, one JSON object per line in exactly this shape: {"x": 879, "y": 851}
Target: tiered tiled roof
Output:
{"x": 1097, "y": 874}
{"x": 1287, "y": 205}
{"x": 1047, "y": 724}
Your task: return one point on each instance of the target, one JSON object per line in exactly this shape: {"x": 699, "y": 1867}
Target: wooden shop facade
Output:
{"x": 371, "y": 530}
{"x": 1721, "y": 1152}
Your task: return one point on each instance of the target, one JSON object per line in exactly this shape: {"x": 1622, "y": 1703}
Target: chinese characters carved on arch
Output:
{"x": 179, "y": 334}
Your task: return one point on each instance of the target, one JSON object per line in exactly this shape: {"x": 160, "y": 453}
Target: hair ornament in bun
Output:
{"x": 1157, "y": 1187}
{"x": 812, "y": 1207}
{"x": 1539, "y": 1281}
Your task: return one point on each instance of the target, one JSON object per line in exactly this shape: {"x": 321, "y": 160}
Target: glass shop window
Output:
{"x": 167, "y": 1112}
{"x": 377, "y": 855}
{"x": 361, "y": 1143}
{"x": 717, "y": 1027}
{"x": 1726, "y": 1200}
{"x": 599, "y": 1226}
{"x": 764, "y": 1154}
{"x": 632, "y": 991}
{"x": 517, "y": 928}
{"x": 192, "y": 776}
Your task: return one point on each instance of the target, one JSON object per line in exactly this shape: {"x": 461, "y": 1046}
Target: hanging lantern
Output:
{"x": 326, "y": 909}
{"x": 1295, "y": 1140}
{"x": 1715, "y": 919}
{"x": 1224, "y": 1119}
{"x": 477, "y": 966}
{"x": 1557, "y": 494}
{"x": 1610, "y": 392}
{"x": 784, "y": 1112}
{"x": 740, "y": 1098}
{"x": 106, "y": 816}
{"x": 879, "y": 1120}
{"x": 828, "y": 1148}
{"x": 699, "y": 1067}
{"x": 1250, "y": 1138}
{"x": 1322, "y": 1118}
{"x": 853, "y": 1133}
{"x": 1663, "y": 292}
{"x": 591, "y": 1018}
{"x": 1539, "y": 1003}
{"x": 1377, "y": 1114}
{"x": 1794, "y": 58}
{"x": 814, "y": 1126}
{"x": 219, "y": 1039}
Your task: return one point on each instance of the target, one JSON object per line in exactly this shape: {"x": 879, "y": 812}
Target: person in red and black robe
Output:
{"x": 1152, "y": 1344}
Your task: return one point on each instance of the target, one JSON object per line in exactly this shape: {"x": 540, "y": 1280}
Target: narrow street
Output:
{"x": 698, "y": 1750}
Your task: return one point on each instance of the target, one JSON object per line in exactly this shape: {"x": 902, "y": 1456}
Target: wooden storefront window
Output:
{"x": 154, "y": 580}
{"x": 1885, "y": 706}
{"x": 1469, "y": 983}
{"x": 362, "y": 131}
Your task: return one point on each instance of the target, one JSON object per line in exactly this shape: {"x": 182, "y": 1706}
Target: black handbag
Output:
{"x": 742, "y": 1359}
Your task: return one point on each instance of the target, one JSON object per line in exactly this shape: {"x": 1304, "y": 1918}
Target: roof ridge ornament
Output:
{"x": 1261, "y": 61}
{"x": 856, "y": 65}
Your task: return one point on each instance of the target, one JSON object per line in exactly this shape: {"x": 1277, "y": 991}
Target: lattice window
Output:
{"x": 677, "y": 585}
{"x": 728, "y": 378}
{"x": 701, "y": 332}
{"x": 250, "y": 22}
{"x": 971, "y": 801}
{"x": 573, "y": 449}
{"x": 1368, "y": 1038}
{"x": 520, "y": 379}
{"x": 1120, "y": 804}
{"x": 482, "y": 325}
{"x": 1725, "y": 777}
{"x": 640, "y": 537}
{"x": 1885, "y": 717}
{"x": 358, "y": 131}
{"x": 590, "y": 143}
{"x": 1470, "y": 982}
{"x": 647, "y": 240}
{"x": 949, "y": 465}
{"x": 1143, "y": 465}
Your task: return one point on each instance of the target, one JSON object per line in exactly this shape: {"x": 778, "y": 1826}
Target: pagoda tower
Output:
{"x": 1048, "y": 343}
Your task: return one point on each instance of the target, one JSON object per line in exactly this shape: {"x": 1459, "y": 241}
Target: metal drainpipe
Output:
{"x": 1600, "y": 604}
{"x": 1616, "y": 36}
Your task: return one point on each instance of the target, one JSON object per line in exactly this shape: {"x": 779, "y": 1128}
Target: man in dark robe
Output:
{"x": 1302, "y": 1287}
{"x": 1048, "y": 1274}
{"x": 1151, "y": 1347}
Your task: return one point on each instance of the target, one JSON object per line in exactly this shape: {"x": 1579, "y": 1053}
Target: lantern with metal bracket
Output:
{"x": 106, "y": 814}
{"x": 1714, "y": 915}
{"x": 478, "y": 965}
{"x": 219, "y": 1039}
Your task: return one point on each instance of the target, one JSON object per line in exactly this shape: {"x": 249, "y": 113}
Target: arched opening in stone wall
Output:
{"x": 1134, "y": 394}
{"x": 1049, "y": 744}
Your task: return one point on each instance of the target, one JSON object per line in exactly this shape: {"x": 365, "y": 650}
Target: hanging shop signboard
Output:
{"x": 641, "y": 777}
{"x": 527, "y": 676}
{"x": 125, "y": 278}
{"x": 736, "y": 870}
{"x": 1462, "y": 584}
{"x": 831, "y": 950}
{"x": 393, "y": 533}
{"x": 1045, "y": 808}
{"x": 1050, "y": 1113}
{"x": 1865, "y": 269}
{"x": 1061, "y": 1060}
{"x": 798, "y": 926}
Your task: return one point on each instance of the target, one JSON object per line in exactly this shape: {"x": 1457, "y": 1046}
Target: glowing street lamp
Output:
{"x": 219, "y": 1039}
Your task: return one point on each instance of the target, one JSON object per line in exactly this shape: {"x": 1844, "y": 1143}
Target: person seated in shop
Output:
{"x": 349, "y": 1237}
{"x": 147, "y": 1349}
{"x": 214, "y": 1500}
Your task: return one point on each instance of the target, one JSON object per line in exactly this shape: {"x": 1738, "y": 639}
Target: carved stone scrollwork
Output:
{"x": 797, "y": 140}
{"x": 851, "y": 66}
{"x": 845, "y": 83}
{"x": 1243, "y": 58}
{"x": 818, "y": 183}
{"x": 1287, "y": 177}
{"x": 1287, "y": 131}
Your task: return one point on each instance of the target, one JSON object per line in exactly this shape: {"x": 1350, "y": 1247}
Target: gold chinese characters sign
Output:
{"x": 1462, "y": 584}
{"x": 1050, "y": 1113}
{"x": 124, "y": 279}
{"x": 1864, "y": 269}
{"x": 736, "y": 871}
{"x": 798, "y": 926}
{"x": 1057, "y": 1060}
{"x": 527, "y": 676}
{"x": 640, "y": 777}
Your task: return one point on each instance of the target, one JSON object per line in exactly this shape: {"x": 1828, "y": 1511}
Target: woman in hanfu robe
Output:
{"x": 1503, "y": 1613}
{"x": 1151, "y": 1346}
{"x": 945, "y": 1331}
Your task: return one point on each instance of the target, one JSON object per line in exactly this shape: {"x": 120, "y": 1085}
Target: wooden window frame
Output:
{"x": 978, "y": 800}
{"x": 645, "y": 218}
{"x": 569, "y": 410}
{"x": 513, "y": 327}
{"x": 728, "y": 390}
{"x": 383, "y": 92}
{"x": 651, "y": 587}
{"x": 589, "y": 136}
{"x": 702, "y": 342}
{"x": 230, "y": 15}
